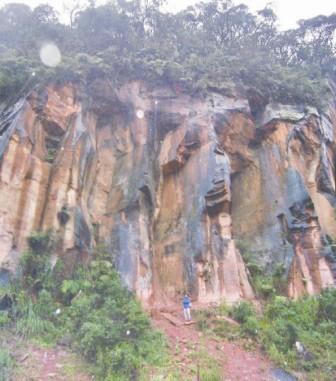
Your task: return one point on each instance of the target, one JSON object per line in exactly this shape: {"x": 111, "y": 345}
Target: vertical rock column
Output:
{"x": 221, "y": 271}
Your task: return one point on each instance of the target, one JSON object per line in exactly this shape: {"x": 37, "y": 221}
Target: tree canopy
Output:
{"x": 208, "y": 45}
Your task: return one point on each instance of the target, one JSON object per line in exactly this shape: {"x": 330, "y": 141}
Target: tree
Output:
{"x": 203, "y": 46}
{"x": 73, "y": 7}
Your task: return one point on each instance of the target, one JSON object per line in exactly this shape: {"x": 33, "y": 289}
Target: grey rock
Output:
{"x": 279, "y": 374}
{"x": 277, "y": 111}
{"x": 9, "y": 121}
{"x": 223, "y": 104}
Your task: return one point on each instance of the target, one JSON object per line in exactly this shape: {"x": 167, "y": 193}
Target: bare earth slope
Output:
{"x": 237, "y": 363}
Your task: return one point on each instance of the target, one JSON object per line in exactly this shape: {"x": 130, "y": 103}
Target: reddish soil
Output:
{"x": 54, "y": 364}
{"x": 238, "y": 364}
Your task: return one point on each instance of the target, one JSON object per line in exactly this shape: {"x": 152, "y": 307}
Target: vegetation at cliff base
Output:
{"x": 266, "y": 283}
{"x": 298, "y": 335}
{"x": 218, "y": 45}
{"x": 96, "y": 316}
{"x": 91, "y": 311}
{"x": 6, "y": 364}
{"x": 310, "y": 321}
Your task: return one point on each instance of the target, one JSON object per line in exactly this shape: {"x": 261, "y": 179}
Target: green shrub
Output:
{"x": 107, "y": 323}
{"x": 40, "y": 242}
{"x": 327, "y": 305}
{"x": 264, "y": 286}
{"x": 308, "y": 320}
{"x": 35, "y": 263}
{"x": 6, "y": 365}
{"x": 31, "y": 324}
{"x": 251, "y": 326}
{"x": 4, "y": 318}
{"x": 104, "y": 320}
{"x": 45, "y": 306}
{"x": 204, "y": 318}
{"x": 6, "y": 301}
{"x": 223, "y": 309}
{"x": 225, "y": 330}
{"x": 242, "y": 311}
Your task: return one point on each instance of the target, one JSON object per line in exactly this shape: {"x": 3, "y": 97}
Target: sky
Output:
{"x": 288, "y": 11}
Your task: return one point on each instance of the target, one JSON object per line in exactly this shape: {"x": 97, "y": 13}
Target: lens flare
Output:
{"x": 140, "y": 114}
{"x": 50, "y": 54}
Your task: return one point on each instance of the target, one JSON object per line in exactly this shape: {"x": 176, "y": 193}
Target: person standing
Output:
{"x": 186, "y": 302}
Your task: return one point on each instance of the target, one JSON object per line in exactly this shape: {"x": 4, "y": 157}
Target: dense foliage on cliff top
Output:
{"x": 209, "y": 45}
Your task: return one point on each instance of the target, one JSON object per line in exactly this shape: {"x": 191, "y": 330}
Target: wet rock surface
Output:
{"x": 171, "y": 184}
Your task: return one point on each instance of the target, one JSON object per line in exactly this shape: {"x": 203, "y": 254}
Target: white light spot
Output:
{"x": 50, "y": 54}
{"x": 128, "y": 333}
{"x": 33, "y": 74}
{"x": 140, "y": 114}
{"x": 156, "y": 102}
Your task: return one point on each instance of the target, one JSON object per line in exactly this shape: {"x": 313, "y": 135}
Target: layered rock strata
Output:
{"x": 171, "y": 185}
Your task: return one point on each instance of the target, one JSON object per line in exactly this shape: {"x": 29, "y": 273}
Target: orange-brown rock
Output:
{"x": 169, "y": 183}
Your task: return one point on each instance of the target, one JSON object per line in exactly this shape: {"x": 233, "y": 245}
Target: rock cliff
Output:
{"x": 172, "y": 185}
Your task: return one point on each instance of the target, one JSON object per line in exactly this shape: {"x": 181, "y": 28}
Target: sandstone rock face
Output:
{"x": 171, "y": 185}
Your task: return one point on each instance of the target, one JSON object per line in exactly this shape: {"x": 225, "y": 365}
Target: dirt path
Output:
{"x": 238, "y": 364}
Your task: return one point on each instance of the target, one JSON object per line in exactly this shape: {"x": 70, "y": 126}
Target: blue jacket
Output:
{"x": 186, "y": 302}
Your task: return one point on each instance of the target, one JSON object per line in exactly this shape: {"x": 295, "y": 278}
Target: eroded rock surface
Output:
{"x": 171, "y": 184}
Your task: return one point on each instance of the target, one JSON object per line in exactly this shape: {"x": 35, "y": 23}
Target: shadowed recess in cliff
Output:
{"x": 325, "y": 176}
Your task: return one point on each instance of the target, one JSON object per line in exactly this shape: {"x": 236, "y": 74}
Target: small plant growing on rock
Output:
{"x": 35, "y": 263}
{"x": 40, "y": 242}
{"x": 63, "y": 215}
{"x": 51, "y": 155}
